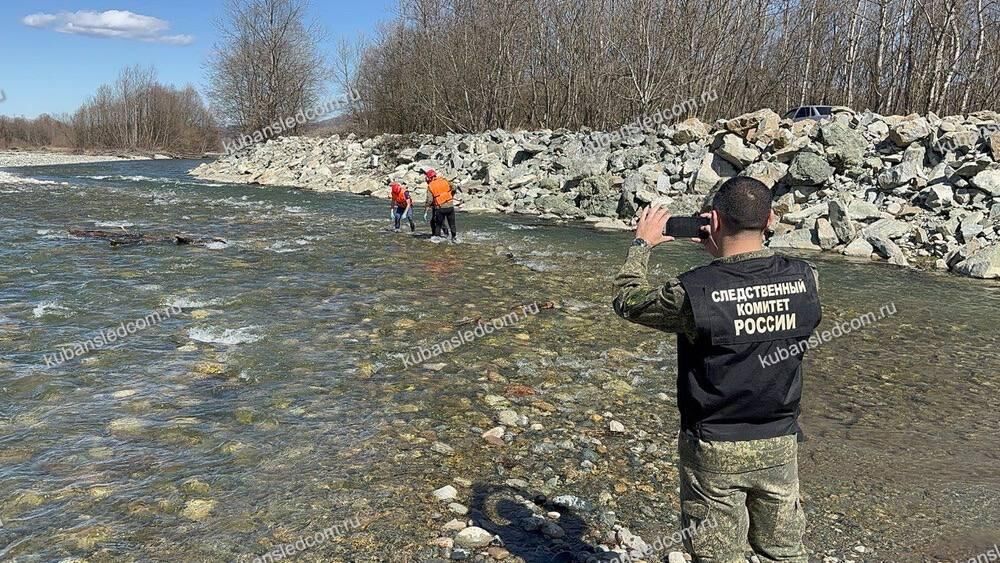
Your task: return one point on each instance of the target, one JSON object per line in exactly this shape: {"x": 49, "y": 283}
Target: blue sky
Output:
{"x": 66, "y": 49}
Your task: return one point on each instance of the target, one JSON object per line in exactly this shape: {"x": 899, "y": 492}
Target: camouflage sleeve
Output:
{"x": 665, "y": 308}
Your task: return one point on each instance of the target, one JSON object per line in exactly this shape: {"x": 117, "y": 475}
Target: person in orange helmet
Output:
{"x": 441, "y": 199}
{"x": 401, "y": 205}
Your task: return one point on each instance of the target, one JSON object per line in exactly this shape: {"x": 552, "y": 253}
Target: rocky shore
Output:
{"x": 15, "y": 159}
{"x": 918, "y": 191}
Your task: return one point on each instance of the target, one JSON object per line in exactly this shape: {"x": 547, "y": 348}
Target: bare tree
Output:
{"x": 473, "y": 65}
{"x": 268, "y": 65}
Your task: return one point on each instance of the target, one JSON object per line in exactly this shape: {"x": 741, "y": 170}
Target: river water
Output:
{"x": 276, "y": 398}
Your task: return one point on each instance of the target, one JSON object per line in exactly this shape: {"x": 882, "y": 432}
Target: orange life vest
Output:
{"x": 399, "y": 196}
{"x": 441, "y": 191}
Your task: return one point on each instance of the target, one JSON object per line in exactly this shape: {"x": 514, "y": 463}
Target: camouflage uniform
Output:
{"x": 731, "y": 492}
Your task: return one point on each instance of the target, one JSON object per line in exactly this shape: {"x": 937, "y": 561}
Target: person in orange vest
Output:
{"x": 401, "y": 205}
{"x": 441, "y": 199}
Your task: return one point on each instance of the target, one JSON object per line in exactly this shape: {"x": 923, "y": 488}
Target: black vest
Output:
{"x": 745, "y": 312}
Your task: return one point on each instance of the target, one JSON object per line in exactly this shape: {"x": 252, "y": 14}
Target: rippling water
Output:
{"x": 276, "y": 402}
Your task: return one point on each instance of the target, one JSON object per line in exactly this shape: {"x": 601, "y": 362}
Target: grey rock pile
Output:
{"x": 914, "y": 190}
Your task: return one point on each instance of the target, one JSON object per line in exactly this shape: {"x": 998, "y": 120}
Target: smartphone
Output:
{"x": 685, "y": 227}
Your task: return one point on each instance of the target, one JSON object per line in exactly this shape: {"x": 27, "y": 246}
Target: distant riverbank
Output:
{"x": 13, "y": 159}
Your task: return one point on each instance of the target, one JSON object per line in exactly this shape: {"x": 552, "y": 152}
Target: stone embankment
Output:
{"x": 921, "y": 191}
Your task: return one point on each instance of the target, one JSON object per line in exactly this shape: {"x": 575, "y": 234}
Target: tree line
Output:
{"x": 474, "y": 65}
{"x": 135, "y": 113}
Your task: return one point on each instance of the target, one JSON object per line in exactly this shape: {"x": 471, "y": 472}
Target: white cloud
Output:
{"x": 111, "y": 23}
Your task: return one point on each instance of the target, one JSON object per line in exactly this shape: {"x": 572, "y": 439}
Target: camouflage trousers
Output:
{"x": 733, "y": 493}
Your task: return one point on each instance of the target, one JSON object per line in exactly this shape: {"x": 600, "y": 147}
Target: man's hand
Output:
{"x": 652, "y": 220}
{"x": 708, "y": 241}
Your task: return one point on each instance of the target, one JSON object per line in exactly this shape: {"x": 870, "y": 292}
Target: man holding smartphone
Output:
{"x": 738, "y": 415}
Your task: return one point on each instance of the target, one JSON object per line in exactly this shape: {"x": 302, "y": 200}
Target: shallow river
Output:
{"x": 274, "y": 396}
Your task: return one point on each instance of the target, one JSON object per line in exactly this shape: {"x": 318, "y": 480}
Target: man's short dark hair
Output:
{"x": 744, "y": 203}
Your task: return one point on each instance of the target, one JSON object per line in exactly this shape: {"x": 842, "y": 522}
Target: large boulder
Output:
{"x": 971, "y": 225}
{"x": 993, "y": 142}
{"x": 598, "y": 196}
{"x": 889, "y": 228}
{"x": 841, "y": 222}
{"x": 809, "y": 169}
{"x": 909, "y": 130}
{"x": 909, "y": 172}
{"x": 845, "y": 147}
{"x": 735, "y": 151}
{"x": 801, "y": 239}
{"x": 760, "y": 125}
{"x": 559, "y": 205}
{"x": 936, "y": 197}
{"x": 689, "y": 130}
{"x": 825, "y": 234}
{"x": 859, "y": 248}
{"x": 887, "y": 248}
{"x": 861, "y": 210}
{"x": 962, "y": 140}
{"x": 713, "y": 170}
{"x": 988, "y": 181}
{"x": 769, "y": 173}
{"x": 583, "y": 164}
{"x": 906, "y": 173}
{"x": 983, "y": 264}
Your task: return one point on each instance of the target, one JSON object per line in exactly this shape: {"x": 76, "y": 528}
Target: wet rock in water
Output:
{"x": 27, "y": 499}
{"x": 442, "y": 448}
{"x": 366, "y": 370}
{"x": 87, "y": 538}
{"x": 508, "y": 417}
{"x": 495, "y": 436}
{"x": 244, "y": 415}
{"x": 198, "y": 509}
{"x": 446, "y": 493}
{"x": 618, "y": 387}
{"x": 127, "y": 425}
{"x": 196, "y": 487}
{"x": 473, "y": 537}
{"x": 209, "y": 368}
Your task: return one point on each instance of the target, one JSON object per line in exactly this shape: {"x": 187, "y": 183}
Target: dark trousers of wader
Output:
{"x": 442, "y": 214}
{"x": 735, "y": 493}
